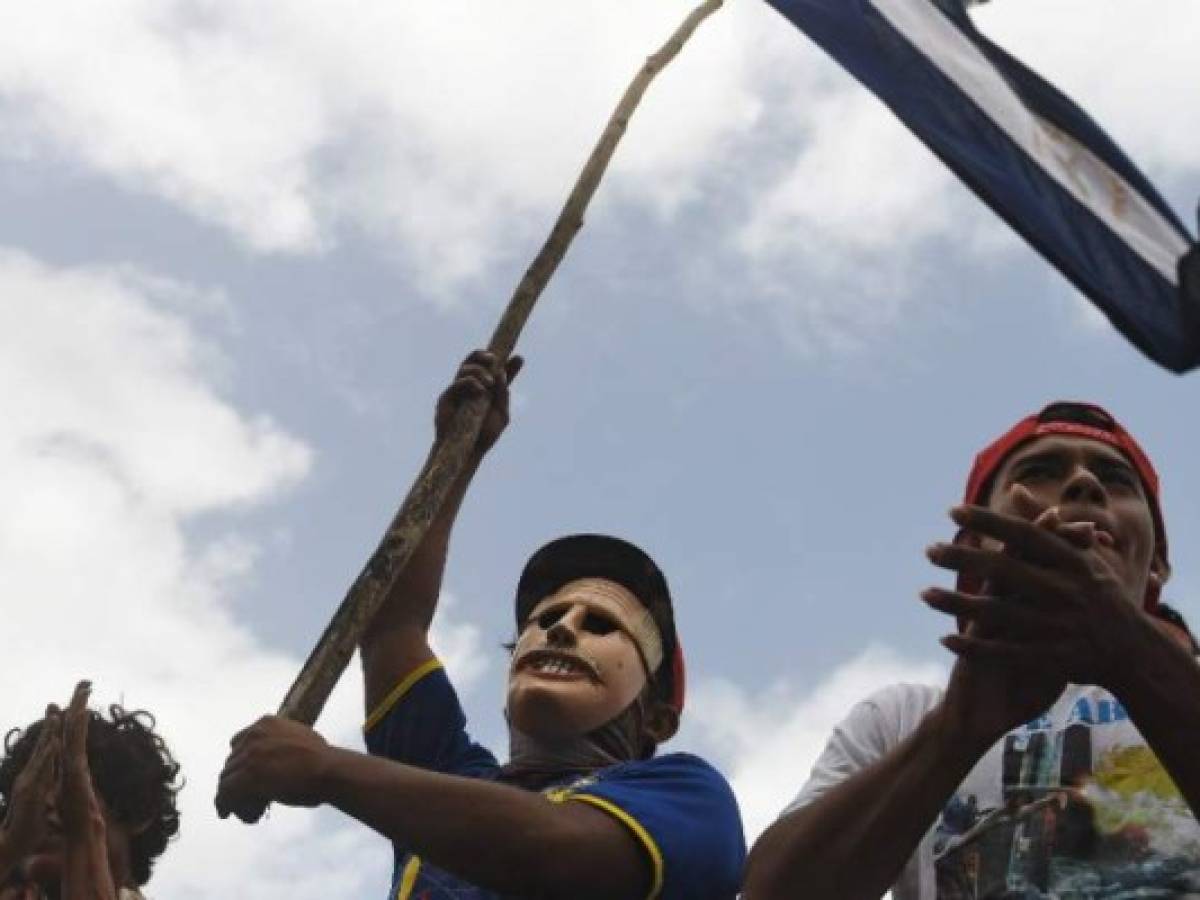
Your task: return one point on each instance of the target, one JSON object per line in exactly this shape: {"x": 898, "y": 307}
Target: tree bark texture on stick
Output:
{"x": 328, "y": 660}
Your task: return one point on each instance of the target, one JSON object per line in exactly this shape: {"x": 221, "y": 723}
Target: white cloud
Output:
{"x": 839, "y": 235}
{"x": 1153, "y": 107}
{"x": 113, "y": 439}
{"x": 767, "y": 740}
{"x": 459, "y": 645}
{"x": 861, "y": 183}
{"x": 442, "y": 126}
{"x": 450, "y": 131}
{"x": 833, "y": 240}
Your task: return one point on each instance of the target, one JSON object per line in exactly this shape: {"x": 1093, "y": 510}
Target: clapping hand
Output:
{"x": 53, "y": 798}
{"x": 1053, "y": 602}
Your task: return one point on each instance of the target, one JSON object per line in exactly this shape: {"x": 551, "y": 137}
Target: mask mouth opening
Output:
{"x": 562, "y": 662}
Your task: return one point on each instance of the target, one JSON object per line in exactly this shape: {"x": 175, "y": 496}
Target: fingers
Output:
{"x": 76, "y": 773}
{"x": 236, "y": 796}
{"x": 486, "y": 362}
{"x": 75, "y": 722}
{"x": 1048, "y": 519}
{"x": 227, "y": 785}
{"x": 482, "y": 383}
{"x": 78, "y": 803}
{"x": 999, "y": 568}
{"x": 486, "y": 369}
{"x": 967, "y": 647}
{"x": 472, "y": 380}
{"x": 235, "y": 787}
{"x": 241, "y": 744}
{"x": 1081, "y": 535}
{"x": 44, "y": 756}
{"x": 79, "y": 698}
{"x": 513, "y": 367}
{"x": 1019, "y": 535}
{"x": 1003, "y": 615}
{"x": 1026, "y": 505}
{"x": 1045, "y": 655}
{"x": 240, "y": 738}
{"x": 41, "y": 772}
{"x": 482, "y": 372}
{"x": 500, "y": 388}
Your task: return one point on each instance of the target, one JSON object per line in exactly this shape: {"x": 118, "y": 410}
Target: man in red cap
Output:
{"x": 1063, "y": 757}
{"x": 584, "y": 808}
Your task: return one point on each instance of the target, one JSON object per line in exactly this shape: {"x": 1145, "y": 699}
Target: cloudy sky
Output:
{"x": 244, "y": 245}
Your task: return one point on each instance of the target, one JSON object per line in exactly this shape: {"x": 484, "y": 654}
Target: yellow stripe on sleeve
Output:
{"x": 409, "y": 879}
{"x": 398, "y": 692}
{"x": 656, "y": 857}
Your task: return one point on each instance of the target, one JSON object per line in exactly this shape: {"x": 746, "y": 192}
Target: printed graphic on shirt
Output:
{"x": 1084, "y": 810}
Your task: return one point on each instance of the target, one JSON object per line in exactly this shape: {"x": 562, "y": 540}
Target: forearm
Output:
{"x": 1161, "y": 693}
{"x": 853, "y": 841}
{"x": 414, "y": 596}
{"x": 498, "y": 837}
{"x": 394, "y": 643}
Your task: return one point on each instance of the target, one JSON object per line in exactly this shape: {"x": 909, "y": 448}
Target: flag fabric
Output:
{"x": 1030, "y": 153}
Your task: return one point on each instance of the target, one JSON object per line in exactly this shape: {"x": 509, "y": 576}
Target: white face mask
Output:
{"x": 617, "y": 603}
{"x": 585, "y": 654}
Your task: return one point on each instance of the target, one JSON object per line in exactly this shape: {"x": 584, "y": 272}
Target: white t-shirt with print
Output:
{"x": 1073, "y": 805}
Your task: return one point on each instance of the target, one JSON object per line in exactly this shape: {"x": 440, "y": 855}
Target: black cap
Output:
{"x": 600, "y": 556}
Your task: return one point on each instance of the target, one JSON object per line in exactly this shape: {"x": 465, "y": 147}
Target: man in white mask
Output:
{"x": 584, "y": 808}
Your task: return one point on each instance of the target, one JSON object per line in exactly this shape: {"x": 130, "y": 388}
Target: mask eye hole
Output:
{"x": 547, "y": 620}
{"x": 598, "y": 624}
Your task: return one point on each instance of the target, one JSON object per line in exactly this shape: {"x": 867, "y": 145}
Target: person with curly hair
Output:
{"x": 87, "y": 803}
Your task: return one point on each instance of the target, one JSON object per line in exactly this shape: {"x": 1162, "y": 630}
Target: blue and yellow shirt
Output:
{"x": 680, "y": 809}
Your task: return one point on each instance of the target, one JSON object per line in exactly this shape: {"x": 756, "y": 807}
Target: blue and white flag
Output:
{"x": 1030, "y": 153}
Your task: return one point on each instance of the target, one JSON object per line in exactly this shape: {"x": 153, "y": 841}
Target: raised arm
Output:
{"x": 1162, "y": 695}
{"x": 1082, "y": 623}
{"x": 396, "y": 643}
{"x": 854, "y": 839}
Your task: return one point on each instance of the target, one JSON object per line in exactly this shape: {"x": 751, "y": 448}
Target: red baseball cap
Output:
{"x": 1083, "y": 420}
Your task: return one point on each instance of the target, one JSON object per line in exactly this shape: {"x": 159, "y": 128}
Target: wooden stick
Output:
{"x": 311, "y": 689}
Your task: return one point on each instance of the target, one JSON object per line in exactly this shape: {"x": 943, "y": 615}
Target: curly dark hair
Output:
{"x": 133, "y": 772}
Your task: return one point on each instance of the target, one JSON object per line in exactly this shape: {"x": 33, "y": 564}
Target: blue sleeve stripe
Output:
{"x": 656, "y": 857}
{"x": 397, "y": 694}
